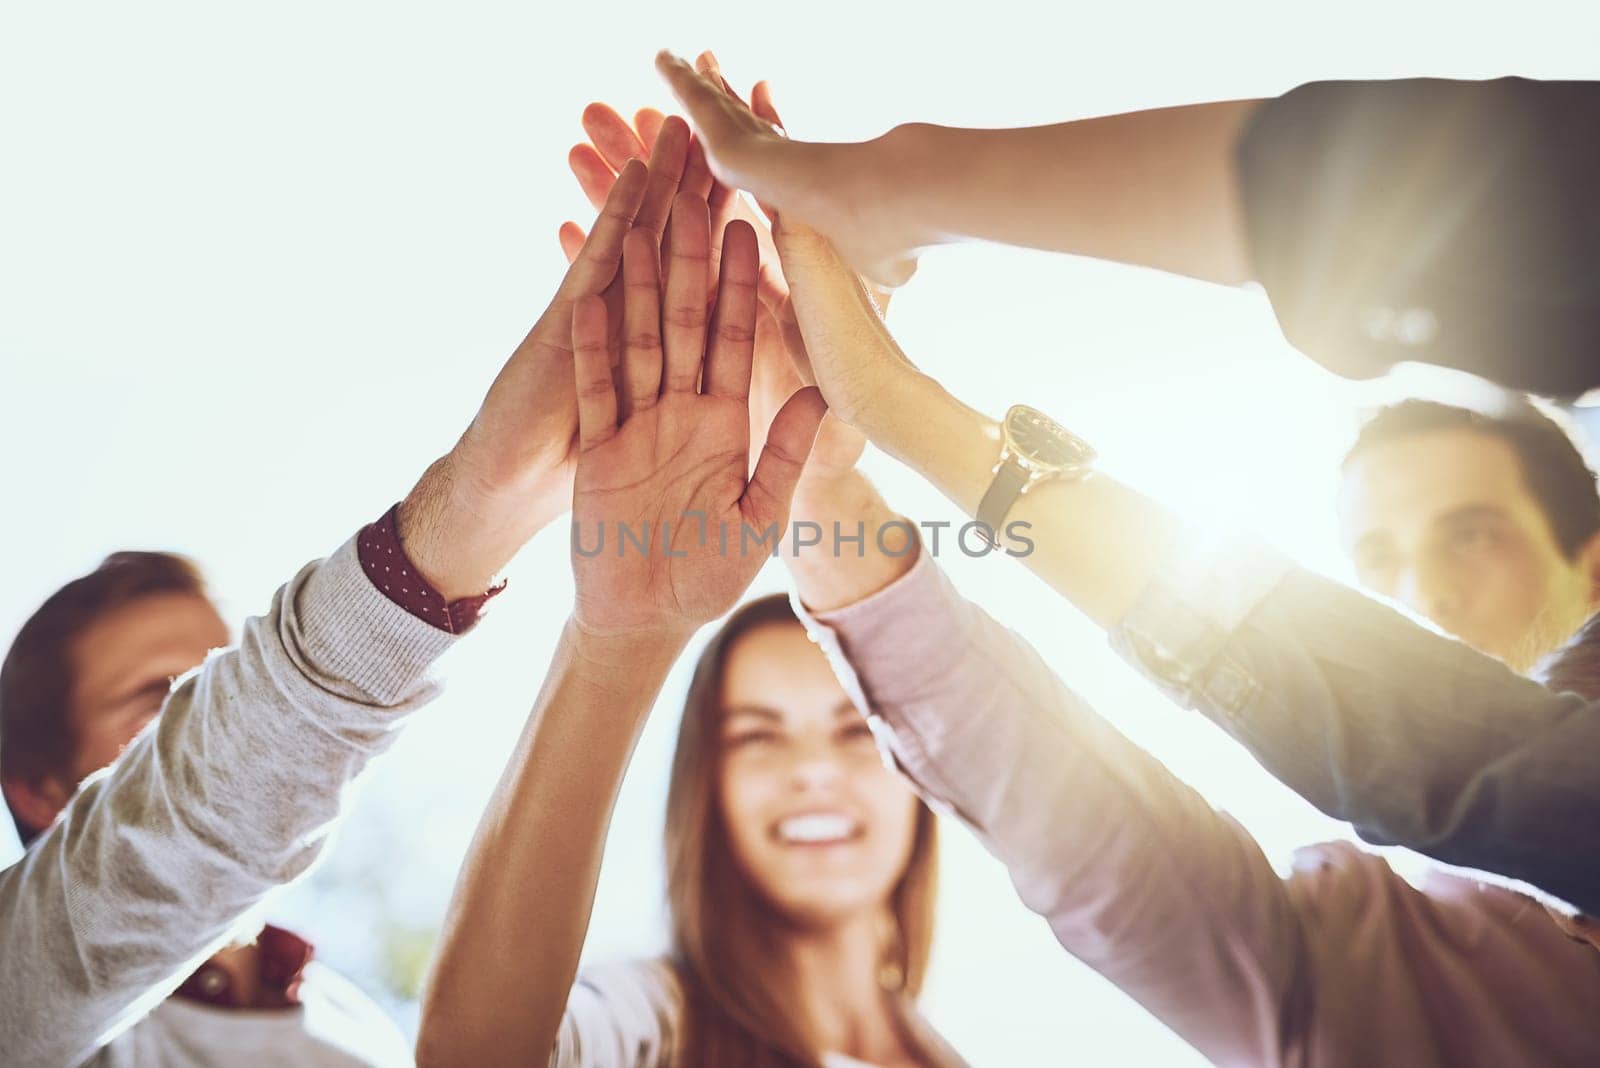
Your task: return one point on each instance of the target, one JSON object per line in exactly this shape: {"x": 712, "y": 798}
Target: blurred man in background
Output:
{"x": 87, "y": 673}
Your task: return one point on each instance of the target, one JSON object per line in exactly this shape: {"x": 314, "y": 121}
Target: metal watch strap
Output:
{"x": 1002, "y": 494}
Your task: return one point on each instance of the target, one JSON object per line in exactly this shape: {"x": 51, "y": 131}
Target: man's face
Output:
{"x": 1443, "y": 522}
{"x": 123, "y": 666}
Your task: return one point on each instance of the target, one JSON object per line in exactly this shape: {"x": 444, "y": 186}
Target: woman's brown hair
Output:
{"x": 739, "y": 1011}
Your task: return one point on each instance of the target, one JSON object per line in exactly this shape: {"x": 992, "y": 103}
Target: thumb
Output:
{"x": 783, "y": 458}
{"x": 821, "y": 285}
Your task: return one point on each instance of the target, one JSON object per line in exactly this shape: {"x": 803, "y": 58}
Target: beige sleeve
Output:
{"x": 627, "y": 1015}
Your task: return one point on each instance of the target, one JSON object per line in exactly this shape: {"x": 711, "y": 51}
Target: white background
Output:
{"x": 258, "y": 263}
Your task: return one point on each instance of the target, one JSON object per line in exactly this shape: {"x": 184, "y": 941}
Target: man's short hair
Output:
{"x": 1553, "y": 467}
{"x": 36, "y": 679}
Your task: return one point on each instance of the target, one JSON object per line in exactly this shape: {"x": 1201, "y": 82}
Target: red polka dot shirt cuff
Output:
{"x": 384, "y": 561}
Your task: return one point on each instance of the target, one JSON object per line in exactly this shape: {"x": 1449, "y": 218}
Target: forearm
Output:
{"x": 1095, "y": 540}
{"x": 1135, "y": 873}
{"x": 1154, "y": 188}
{"x": 1414, "y": 738}
{"x": 231, "y": 795}
{"x": 839, "y": 571}
{"x": 516, "y": 924}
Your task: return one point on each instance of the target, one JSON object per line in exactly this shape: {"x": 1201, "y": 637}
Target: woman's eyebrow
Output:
{"x": 759, "y": 711}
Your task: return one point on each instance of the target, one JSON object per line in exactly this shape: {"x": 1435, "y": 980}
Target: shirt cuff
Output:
{"x": 1177, "y": 630}
{"x": 884, "y": 627}
{"x": 887, "y": 630}
{"x": 384, "y": 561}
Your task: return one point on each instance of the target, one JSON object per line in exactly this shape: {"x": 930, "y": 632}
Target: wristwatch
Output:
{"x": 1035, "y": 448}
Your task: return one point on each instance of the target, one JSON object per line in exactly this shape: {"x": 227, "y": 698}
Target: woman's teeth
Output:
{"x": 817, "y": 828}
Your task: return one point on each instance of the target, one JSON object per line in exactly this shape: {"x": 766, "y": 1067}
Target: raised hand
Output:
{"x": 663, "y": 456}
{"x": 843, "y": 344}
{"x": 511, "y": 471}
{"x": 835, "y": 188}
{"x": 612, "y": 142}
{"x": 779, "y": 345}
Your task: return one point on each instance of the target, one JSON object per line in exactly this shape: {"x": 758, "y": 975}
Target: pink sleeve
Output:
{"x": 1137, "y": 875}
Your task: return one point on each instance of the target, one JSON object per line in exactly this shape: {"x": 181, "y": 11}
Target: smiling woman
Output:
{"x": 800, "y": 868}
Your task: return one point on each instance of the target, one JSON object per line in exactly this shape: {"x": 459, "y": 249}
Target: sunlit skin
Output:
{"x": 793, "y": 745}
{"x": 1443, "y": 521}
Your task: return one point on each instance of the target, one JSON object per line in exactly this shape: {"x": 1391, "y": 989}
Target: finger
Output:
{"x": 706, "y": 63}
{"x": 594, "y": 174}
{"x": 761, "y": 104}
{"x": 601, "y": 255}
{"x": 733, "y": 328}
{"x": 683, "y": 319}
{"x": 697, "y": 177}
{"x": 647, "y": 123}
{"x": 703, "y": 101}
{"x": 641, "y": 322}
{"x": 591, "y": 361}
{"x": 762, "y": 107}
{"x": 610, "y": 133}
{"x": 667, "y": 160}
{"x": 783, "y": 458}
{"x": 794, "y": 342}
{"x": 572, "y": 237}
{"x": 699, "y": 181}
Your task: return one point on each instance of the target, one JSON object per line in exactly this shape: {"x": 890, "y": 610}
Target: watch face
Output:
{"x": 1043, "y": 442}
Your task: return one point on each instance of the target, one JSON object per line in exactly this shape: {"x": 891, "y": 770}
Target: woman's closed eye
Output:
{"x": 752, "y": 737}
{"x": 855, "y": 732}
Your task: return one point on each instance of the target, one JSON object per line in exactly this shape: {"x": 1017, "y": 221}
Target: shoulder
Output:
{"x": 621, "y": 1013}
{"x": 649, "y": 981}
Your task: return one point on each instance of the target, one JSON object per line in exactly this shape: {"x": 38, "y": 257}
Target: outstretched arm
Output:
{"x": 233, "y": 793}
{"x": 661, "y": 442}
{"x": 1367, "y": 210}
{"x": 1156, "y": 188}
{"x": 1466, "y": 762}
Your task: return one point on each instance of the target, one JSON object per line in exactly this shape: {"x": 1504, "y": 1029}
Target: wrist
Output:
{"x": 621, "y": 654}
{"x": 892, "y": 402}
{"x": 458, "y": 536}
{"x": 892, "y": 173}
{"x": 931, "y": 431}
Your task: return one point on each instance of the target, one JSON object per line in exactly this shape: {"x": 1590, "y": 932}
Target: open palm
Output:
{"x": 661, "y": 500}
{"x": 779, "y": 345}
{"x": 523, "y": 440}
